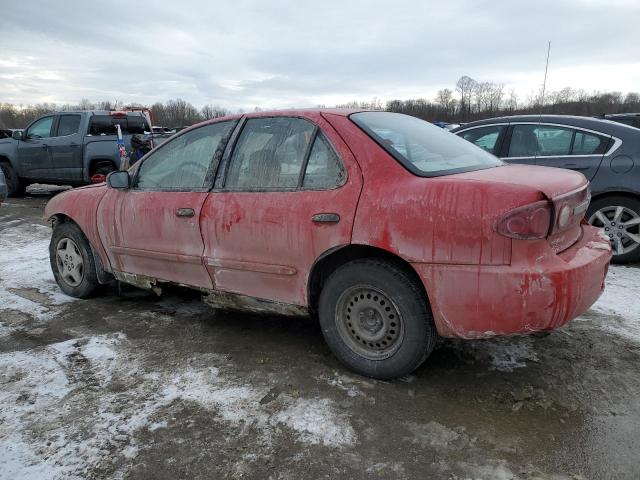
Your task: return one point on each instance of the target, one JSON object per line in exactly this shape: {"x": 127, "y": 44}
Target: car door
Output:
{"x": 33, "y": 150}
{"x": 153, "y": 228}
{"x": 574, "y": 149}
{"x": 65, "y": 149}
{"x": 287, "y": 194}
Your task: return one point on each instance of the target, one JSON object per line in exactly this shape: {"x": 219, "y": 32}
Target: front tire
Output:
{"x": 619, "y": 217}
{"x": 72, "y": 261}
{"x": 376, "y": 319}
{"x": 15, "y": 187}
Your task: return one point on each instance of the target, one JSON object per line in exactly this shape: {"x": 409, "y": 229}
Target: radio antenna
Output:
{"x": 544, "y": 84}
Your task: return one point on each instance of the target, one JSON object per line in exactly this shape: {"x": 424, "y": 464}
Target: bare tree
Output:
{"x": 213, "y": 111}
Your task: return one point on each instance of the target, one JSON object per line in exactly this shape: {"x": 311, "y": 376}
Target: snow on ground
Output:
{"x": 60, "y": 414}
{"x": 621, "y": 302}
{"x": 24, "y": 264}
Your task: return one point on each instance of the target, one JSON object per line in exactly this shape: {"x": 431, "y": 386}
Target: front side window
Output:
{"x": 182, "y": 164}
{"x": 41, "y": 128}
{"x": 484, "y": 137}
{"x": 68, "y": 125}
{"x": 421, "y": 147}
{"x": 269, "y": 153}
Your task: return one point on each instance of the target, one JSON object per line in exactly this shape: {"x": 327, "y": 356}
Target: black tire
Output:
{"x": 105, "y": 170}
{"x": 86, "y": 280}
{"x": 15, "y": 187}
{"x": 387, "y": 293}
{"x": 607, "y": 206}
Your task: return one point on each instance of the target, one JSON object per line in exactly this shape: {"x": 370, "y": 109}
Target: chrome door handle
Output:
{"x": 325, "y": 218}
{"x": 185, "y": 212}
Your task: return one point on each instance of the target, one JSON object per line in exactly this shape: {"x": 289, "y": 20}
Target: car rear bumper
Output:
{"x": 540, "y": 290}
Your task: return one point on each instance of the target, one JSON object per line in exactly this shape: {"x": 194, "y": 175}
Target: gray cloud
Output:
{"x": 287, "y": 53}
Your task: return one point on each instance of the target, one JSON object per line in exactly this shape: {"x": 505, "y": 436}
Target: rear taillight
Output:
{"x": 530, "y": 222}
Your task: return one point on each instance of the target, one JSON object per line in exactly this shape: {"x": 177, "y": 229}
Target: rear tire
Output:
{"x": 72, "y": 261}
{"x": 376, "y": 319}
{"x": 619, "y": 216}
{"x": 15, "y": 187}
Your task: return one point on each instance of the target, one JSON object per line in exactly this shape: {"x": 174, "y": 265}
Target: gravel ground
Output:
{"x": 136, "y": 386}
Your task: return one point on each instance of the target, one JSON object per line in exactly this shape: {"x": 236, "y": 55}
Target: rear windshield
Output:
{"x": 423, "y": 148}
{"x": 106, "y": 124}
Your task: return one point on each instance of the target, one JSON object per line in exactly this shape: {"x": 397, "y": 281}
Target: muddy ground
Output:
{"x": 136, "y": 386}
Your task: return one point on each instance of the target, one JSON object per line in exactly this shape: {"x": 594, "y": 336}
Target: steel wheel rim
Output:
{"x": 369, "y": 323}
{"x": 69, "y": 262}
{"x": 621, "y": 225}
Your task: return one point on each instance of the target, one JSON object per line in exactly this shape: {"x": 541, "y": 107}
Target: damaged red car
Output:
{"x": 390, "y": 230}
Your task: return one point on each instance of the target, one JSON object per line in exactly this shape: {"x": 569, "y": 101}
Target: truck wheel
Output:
{"x": 375, "y": 319}
{"x": 619, "y": 217}
{"x": 72, "y": 261}
{"x": 15, "y": 187}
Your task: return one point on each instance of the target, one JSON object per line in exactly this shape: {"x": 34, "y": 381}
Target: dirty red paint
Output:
{"x": 264, "y": 244}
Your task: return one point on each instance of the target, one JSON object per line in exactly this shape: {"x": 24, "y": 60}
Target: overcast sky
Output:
{"x": 277, "y": 54}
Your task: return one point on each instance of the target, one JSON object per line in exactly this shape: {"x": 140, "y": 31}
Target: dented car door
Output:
{"x": 153, "y": 228}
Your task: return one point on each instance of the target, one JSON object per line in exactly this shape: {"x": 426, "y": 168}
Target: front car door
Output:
{"x": 33, "y": 150}
{"x": 153, "y": 228}
{"x": 65, "y": 149}
{"x": 287, "y": 193}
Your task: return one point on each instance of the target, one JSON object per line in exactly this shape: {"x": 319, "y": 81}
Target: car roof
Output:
{"x": 599, "y": 124}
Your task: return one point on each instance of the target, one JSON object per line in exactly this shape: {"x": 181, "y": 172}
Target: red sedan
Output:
{"x": 391, "y": 230}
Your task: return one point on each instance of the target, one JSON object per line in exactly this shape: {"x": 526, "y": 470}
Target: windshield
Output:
{"x": 421, "y": 147}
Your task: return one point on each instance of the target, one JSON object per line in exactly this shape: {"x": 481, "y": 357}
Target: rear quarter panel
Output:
{"x": 445, "y": 219}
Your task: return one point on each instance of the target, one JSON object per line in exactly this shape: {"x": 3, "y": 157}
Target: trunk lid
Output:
{"x": 552, "y": 182}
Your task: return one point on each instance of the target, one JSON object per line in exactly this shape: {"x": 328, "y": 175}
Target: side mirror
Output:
{"x": 119, "y": 179}
{"x": 17, "y": 135}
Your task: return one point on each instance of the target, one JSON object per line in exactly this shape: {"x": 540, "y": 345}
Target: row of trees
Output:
{"x": 468, "y": 100}
{"x": 473, "y": 100}
{"x": 173, "y": 113}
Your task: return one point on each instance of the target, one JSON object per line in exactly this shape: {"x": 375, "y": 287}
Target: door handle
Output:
{"x": 575, "y": 166}
{"x": 185, "y": 212}
{"x": 325, "y": 218}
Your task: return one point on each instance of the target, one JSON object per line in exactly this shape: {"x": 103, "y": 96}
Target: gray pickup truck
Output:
{"x": 67, "y": 148}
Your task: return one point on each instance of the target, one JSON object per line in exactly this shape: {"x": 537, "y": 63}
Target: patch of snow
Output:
{"x": 433, "y": 434}
{"x": 505, "y": 354}
{"x": 316, "y": 422}
{"x": 24, "y": 263}
{"x": 620, "y": 302}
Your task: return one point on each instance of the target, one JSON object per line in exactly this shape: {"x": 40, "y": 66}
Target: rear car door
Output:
{"x": 65, "y": 148}
{"x": 153, "y": 228}
{"x": 287, "y": 194}
{"x": 571, "y": 148}
{"x": 521, "y": 144}
{"x": 33, "y": 150}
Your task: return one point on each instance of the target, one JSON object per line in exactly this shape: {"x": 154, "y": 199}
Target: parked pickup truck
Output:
{"x": 67, "y": 148}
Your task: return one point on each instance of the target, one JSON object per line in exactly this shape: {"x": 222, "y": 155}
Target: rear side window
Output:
{"x": 183, "y": 163}
{"x": 484, "y": 137}
{"x": 324, "y": 168}
{"x": 421, "y": 147}
{"x": 106, "y": 124}
{"x": 553, "y": 141}
{"x": 589, "y": 144}
{"x": 269, "y": 153}
{"x": 68, "y": 125}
